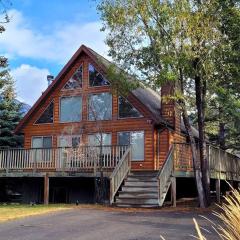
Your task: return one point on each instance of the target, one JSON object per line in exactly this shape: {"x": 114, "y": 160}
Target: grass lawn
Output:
{"x": 10, "y": 212}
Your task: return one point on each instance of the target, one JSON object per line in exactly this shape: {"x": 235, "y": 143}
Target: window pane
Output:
{"x": 75, "y": 142}
{"x": 76, "y": 80}
{"x": 95, "y": 78}
{"x": 37, "y": 142}
{"x": 126, "y": 110}
{"x": 100, "y": 106}
{"x": 71, "y": 109}
{"x": 64, "y": 141}
{"x": 69, "y": 141}
{"x": 137, "y": 141}
{"x": 124, "y": 138}
{"x": 47, "y": 142}
{"x": 95, "y": 139}
{"x": 47, "y": 115}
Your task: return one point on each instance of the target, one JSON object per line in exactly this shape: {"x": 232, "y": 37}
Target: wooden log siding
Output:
{"x": 223, "y": 165}
{"x": 111, "y": 126}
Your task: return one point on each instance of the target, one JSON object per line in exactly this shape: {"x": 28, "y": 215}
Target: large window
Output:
{"x": 69, "y": 141}
{"x": 47, "y": 115}
{"x": 101, "y": 139}
{"x": 71, "y": 109}
{"x": 136, "y": 139}
{"x": 100, "y": 106}
{"x": 42, "y": 146}
{"x": 126, "y": 110}
{"x": 76, "y": 80}
{"x": 42, "y": 142}
{"x": 95, "y": 78}
{"x": 98, "y": 138}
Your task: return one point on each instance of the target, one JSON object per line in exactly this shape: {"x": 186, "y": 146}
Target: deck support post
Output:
{"x": 173, "y": 192}
{"x": 46, "y": 189}
{"x": 218, "y": 190}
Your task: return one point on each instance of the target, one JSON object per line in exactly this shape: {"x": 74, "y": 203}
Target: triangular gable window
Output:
{"x": 47, "y": 115}
{"x": 126, "y": 109}
{"x": 95, "y": 78}
{"x": 76, "y": 80}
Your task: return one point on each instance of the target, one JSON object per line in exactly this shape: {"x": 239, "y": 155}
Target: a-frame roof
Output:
{"x": 149, "y": 98}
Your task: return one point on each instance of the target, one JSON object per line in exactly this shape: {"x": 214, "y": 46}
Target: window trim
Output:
{"x": 41, "y": 136}
{"x": 35, "y": 122}
{"x": 120, "y": 118}
{"x": 59, "y": 108}
{"x": 98, "y": 93}
{"x": 144, "y": 151}
{"x": 75, "y": 70}
{"x": 89, "y": 86}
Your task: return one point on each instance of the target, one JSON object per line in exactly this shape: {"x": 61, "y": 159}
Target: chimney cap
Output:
{"x": 50, "y": 77}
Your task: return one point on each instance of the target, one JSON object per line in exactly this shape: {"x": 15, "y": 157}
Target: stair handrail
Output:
{"x": 119, "y": 173}
{"x": 164, "y": 175}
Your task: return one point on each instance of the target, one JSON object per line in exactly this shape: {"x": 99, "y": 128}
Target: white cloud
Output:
{"x": 30, "y": 82}
{"x": 21, "y": 40}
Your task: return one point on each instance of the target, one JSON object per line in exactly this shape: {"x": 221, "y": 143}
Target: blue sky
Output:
{"x": 43, "y": 35}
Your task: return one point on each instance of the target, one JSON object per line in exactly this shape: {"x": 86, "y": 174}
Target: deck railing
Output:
{"x": 119, "y": 173}
{"x": 62, "y": 159}
{"x": 222, "y": 164}
{"x": 164, "y": 176}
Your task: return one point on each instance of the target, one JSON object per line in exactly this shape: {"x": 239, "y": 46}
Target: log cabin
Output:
{"x": 80, "y": 131}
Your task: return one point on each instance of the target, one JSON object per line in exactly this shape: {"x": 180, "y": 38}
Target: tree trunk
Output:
{"x": 196, "y": 163}
{"x": 200, "y": 103}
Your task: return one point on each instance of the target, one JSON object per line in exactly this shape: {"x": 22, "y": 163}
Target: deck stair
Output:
{"x": 140, "y": 189}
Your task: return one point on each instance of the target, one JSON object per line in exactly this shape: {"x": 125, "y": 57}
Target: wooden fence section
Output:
{"x": 84, "y": 158}
{"x": 222, "y": 165}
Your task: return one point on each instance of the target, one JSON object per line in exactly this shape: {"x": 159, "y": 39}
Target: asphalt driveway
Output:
{"x": 105, "y": 224}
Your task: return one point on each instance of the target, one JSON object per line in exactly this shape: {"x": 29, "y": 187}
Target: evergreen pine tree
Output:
{"x": 9, "y": 110}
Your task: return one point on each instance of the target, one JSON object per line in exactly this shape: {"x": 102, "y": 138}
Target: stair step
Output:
{"x": 138, "y": 195}
{"x": 136, "y": 205}
{"x": 141, "y": 179}
{"x": 144, "y": 174}
{"x": 141, "y": 184}
{"x": 139, "y": 189}
{"x": 137, "y": 201}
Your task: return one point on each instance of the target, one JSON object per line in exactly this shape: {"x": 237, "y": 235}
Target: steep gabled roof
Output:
{"x": 145, "y": 95}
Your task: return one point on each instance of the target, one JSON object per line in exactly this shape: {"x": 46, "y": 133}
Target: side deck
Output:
{"x": 222, "y": 165}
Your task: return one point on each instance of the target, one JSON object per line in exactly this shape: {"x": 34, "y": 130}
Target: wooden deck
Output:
{"x": 82, "y": 161}
{"x": 222, "y": 165}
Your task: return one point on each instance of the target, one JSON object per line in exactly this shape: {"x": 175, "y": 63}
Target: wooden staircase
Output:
{"x": 146, "y": 189}
{"x": 140, "y": 189}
